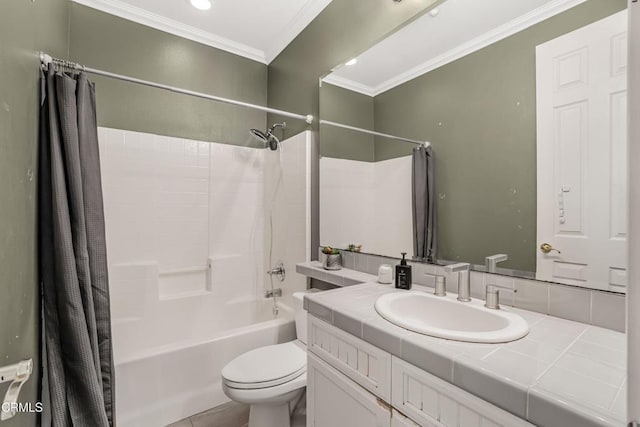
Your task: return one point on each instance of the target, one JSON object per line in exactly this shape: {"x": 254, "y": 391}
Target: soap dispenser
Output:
{"x": 403, "y": 274}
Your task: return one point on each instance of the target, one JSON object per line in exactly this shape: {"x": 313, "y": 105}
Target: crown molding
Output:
{"x": 349, "y": 85}
{"x": 299, "y": 22}
{"x": 149, "y": 19}
{"x": 512, "y": 27}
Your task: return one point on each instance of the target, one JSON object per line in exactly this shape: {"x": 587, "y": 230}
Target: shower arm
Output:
{"x": 273, "y": 127}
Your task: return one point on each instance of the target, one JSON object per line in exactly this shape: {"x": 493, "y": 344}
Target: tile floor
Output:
{"x": 235, "y": 414}
{"x": 230, "y": 414}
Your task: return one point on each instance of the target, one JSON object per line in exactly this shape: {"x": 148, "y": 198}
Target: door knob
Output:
{"x": 546, "y": 248}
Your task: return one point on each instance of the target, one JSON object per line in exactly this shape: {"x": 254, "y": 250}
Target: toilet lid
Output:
{"x": 266, "y": 366}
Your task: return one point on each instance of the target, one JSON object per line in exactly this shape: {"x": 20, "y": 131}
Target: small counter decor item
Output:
{"x": 354, "y": 248}
{"x": 333, "y": 259}
{"x": 385, "y": 274}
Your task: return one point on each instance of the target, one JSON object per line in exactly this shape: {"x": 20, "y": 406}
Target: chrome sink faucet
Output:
{"x": 492, "y": 261}
{"x": 464, "y": 283}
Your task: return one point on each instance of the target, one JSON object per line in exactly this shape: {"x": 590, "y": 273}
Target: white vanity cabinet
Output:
{"x": 348, "y": 380}
{"x": 351, "y": 383}
{"x": 431, "y": 401}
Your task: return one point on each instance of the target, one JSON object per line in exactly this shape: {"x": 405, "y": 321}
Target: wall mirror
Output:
{"x": 525, "y": 112}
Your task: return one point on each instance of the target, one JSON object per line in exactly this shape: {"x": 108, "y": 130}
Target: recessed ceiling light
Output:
{"x": 351, "y": 62}
{"x": 201, "y": 4}
{"x": 434, "y": 12}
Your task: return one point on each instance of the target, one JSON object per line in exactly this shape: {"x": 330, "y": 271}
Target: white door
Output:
{"x": 333, "y": 400}
{"x": 581, "y": 80}
{"x": 633, "y": 297}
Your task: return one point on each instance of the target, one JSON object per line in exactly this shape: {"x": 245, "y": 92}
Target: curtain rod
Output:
{"x": 371, "y": 132}
{"x": 48, "y": 59}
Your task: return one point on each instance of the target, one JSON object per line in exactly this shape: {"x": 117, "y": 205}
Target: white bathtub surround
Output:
{"x": 186, "y": 249}
{"x": 287, "y": 189}
{"x": 184, "y": 205}
{"x": 359, "y": 199}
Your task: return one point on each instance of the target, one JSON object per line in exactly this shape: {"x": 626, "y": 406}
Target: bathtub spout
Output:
{"x": 277, "y": 292}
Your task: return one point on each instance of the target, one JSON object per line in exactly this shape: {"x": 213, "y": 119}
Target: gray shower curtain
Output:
{"x": 77, "y": 346}
{"x": 423, "y": 204}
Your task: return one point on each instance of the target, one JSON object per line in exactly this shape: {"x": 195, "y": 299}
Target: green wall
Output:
{"x": 110, "y": 43}
{"x": 349, "y": 108}
{"x": 68, "y": 30}
{"x": 480, "y": 114}
{"x": 344, "y": 29}
{"x": 26, "y": 27}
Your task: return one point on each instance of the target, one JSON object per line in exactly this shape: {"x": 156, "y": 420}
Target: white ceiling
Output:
{"x": 461, "y": 27}
{"x": 256, "y": 29}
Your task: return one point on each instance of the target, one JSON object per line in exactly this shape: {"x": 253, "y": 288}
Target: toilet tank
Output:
{"x": 300, "y": 316}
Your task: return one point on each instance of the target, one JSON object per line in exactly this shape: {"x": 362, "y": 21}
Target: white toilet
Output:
{"x": 271, "y": 379}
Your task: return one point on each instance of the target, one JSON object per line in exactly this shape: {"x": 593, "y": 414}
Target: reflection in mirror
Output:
{"x": 524, "y": 104}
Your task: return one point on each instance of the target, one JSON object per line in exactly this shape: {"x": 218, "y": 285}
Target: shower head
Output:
{"x": 268, "y": 138}
{"x": 258, "y": 134}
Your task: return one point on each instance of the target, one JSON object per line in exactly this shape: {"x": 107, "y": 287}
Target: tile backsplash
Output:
{"x": 600, "y": 308}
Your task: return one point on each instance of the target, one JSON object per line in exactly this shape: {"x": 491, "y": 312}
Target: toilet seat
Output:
{"x": 265, "y": 384}
{"x": 278, "y": 394}
{"x": 265, "y": 367}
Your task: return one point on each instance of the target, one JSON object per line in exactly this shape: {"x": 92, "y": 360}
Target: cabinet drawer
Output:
{"x": 363, "y": 363}
{"x": 432, "y": 401}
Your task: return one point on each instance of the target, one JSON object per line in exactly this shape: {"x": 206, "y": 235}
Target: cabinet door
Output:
{"x": 399, "y": 420}
{"x": 333, "y": 400}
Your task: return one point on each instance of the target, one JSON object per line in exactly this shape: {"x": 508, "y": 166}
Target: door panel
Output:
{"x": 582, "y": 152}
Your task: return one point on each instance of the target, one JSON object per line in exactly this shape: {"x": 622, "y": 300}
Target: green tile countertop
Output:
{"x": 563, "y": 373}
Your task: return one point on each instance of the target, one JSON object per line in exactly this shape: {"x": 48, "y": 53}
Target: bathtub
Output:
{"x": 161, "y": 379}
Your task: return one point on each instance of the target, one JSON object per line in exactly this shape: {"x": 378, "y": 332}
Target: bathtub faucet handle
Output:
{"x": 278, "y": 271}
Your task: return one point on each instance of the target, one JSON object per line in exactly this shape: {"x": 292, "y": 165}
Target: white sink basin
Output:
{"x": 445, "y": 317}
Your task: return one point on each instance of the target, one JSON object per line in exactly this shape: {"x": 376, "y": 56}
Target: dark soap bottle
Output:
{"x": 403, "y": 274}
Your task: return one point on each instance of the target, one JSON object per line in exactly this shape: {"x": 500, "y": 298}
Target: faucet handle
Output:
{"x": 492, "y": 296}
{"x": 441, "y": 286}
{"x": 455, "y": 268}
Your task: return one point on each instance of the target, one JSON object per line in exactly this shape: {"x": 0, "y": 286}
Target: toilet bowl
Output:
{"x": 271, "y": 379}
